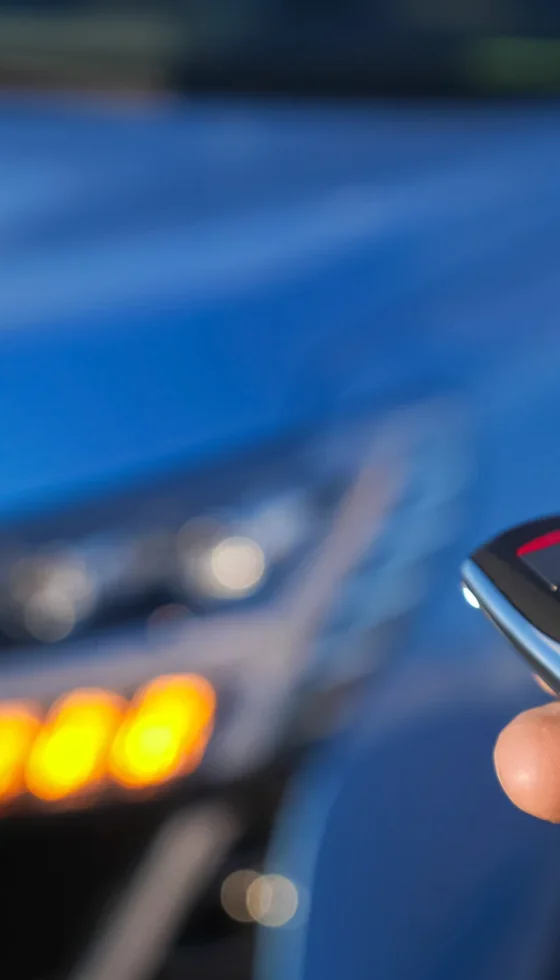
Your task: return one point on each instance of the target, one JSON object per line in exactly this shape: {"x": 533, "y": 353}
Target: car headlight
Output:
{"x": 203, "y": 540}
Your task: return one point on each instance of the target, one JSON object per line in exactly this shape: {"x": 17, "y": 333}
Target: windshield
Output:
{"x": 330, "y": 46}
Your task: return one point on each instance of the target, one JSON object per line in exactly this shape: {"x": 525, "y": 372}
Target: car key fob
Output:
{"x": 515, "y": 579}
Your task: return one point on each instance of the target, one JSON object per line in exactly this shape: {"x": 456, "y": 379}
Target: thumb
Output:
{"x": 527, "y": 760}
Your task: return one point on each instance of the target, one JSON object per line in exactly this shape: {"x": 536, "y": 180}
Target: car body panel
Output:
{"x": 222, "y": 272}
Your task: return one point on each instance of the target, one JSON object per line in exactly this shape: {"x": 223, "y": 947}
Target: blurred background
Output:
{"x": 279, "y": 293}
{"x": 368, "y": 48}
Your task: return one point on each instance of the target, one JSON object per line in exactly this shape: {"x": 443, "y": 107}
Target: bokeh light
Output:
{"x": 71, "y": 751}
{"x": 233, "y": 894}
{"x": 165, "y": 732}
{"x": 52, "y": 594}
{"x": 218, "y": 564}
{"x": 237, "y": 566}
{"x": 272, "y": 900}
{"x": 19, "y": 724}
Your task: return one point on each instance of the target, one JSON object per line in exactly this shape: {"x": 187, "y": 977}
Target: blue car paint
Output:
{"x": 289, "y": 261}
{"x": 179, "y": 280}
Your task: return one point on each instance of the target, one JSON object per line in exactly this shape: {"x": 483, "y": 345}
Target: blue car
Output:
{"x": 269, "y": 369}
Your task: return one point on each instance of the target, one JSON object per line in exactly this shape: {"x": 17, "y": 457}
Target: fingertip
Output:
{"x": 527, "y": 761}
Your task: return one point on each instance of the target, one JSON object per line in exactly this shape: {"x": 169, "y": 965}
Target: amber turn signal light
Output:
{"x": 19, "y": 725}
{"x": 70, "y": 752}
{"x": 165, "y": 731}
{"x": 91, "y": 738}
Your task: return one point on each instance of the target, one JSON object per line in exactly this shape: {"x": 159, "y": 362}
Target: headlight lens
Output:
{"x": 50, "y": 595}
{"x": 216, "y": 564}
{"x": 202, "y": 540}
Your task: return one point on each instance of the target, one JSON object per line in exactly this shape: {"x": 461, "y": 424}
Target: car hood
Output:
{"x": 182, "y": 277}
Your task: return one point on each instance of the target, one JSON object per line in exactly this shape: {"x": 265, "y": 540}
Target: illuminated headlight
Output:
{"x": 49, "y": 596}
{"x": 222, "y": 565}
{"x": 228, "y": 562}
{"x": 201, "y": 541}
